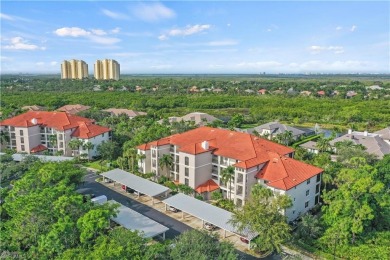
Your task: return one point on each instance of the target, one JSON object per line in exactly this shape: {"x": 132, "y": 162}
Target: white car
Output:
{"x": 209, "y": 226}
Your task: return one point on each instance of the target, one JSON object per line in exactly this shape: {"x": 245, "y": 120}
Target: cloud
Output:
{"x": 315, "y": 49}
{"x": 223, "y": 43}
{"x": 18, "y": 43}
{"x": 6, "y": 17}
{"x": 353, "y": 28}
{"x": 116, "y": 30}
{"x": 338, "y": 28}
{"x": 98, "y": 32}
{"x": 153, "y": 12}
{"x": 53, "y": 63}
{"x": 115, "y": 15}
{"x": 188, "y": 30}
{"x": 95, "y": 35}
{"x": 71, "y": 31}
{"x": 41, "y": 63}
{"x": 272, "y": 27}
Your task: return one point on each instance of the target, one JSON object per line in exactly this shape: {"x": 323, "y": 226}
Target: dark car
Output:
{"x": 129, "y": 190}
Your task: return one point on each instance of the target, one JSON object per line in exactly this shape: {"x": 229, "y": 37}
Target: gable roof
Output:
{"x": 373, "y": 142}
{"x": 208, "y": 186}
{"x": 277, "y": 128}
{"x": 384, "y": 133}
{"x": 285, "y": 173}
{"x": 85, "y": 127}
{"x": 38, "y": 148}
{"x": 73, "y": 109}
{"x": 129, "y": 113}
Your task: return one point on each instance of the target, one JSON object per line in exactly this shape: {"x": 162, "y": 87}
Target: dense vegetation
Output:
{"x": 42, "y": 217}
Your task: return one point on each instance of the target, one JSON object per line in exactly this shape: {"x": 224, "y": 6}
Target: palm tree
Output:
{"x": 288, "y": 137}
{"x": 4, "y": 137}
{"x": 309, "y": 227}
{"x": 323, "y": 144}
{"x": 165, "y": 162}
{"x": 121, "y": 161}
{"x": 130, "y": 154}
{"x": 53, "y": 140}
{"x": 140, "y": 157}
{"x": 75, "y": 144}
{"x": 227, "y": 176}
{"x": 88, "y": 146}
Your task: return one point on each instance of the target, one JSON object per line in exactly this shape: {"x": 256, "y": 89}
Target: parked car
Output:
{"x": 138, "y": 193}
{"x": 173, "y": 209}
{"x": 129, "y": 190}
{"x": 209, "y": 226}
{"x": 107, "y": 180}
{"x": 243, "y": 239}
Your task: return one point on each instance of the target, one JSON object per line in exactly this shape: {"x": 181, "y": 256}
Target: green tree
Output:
{"x": 356, "y": 204}
{"x": 262, "y": 214}
{"x": 88, "y": 146}
{"x": 165, "y": 163}
{"x": 309, "y": 228}
{"x": 109, "y": 150}
{"x": 236, "y": 121}
{"x": 201, "y": 245}
{"x": 227, "y": 175}
{"x": 323, "y": 144}
{"x": 75, "y": 144}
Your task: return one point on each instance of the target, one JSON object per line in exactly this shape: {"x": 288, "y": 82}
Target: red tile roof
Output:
{"x": 58, "y": 120}
{"x": 284, "y": 173}
{"x": 38, "y": 148}
{"x": 73, "y": 109}
{"x": 86, "y": 131}
{"x": 208, "y": 186}
{"x": 248, "y": 149}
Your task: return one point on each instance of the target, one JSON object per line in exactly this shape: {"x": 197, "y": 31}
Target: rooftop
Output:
{"x": 73, "y": 109}
{"x": 85, "y": 127}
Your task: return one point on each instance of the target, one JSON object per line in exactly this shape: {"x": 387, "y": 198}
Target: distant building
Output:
{"x": 34, "y": 108}
{"x": 120, "y": 111}
{"x": 198, "y": 118}
{"x": 74, "y": 69}
{"x": 73, "y": 109}
{"x": 106, "y": 69}
{"x": 273, "y": 129}
{"x": 36, "y": 132}
{"x": 310, "y": 147}
{"x": 373, "y": 142}
{"x": 384, "y": 134}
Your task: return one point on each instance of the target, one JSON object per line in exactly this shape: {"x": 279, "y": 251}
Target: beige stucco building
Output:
{"x": 74, "y": 69}
{"x": 35, "y": 132}
{"x": 106, "y": 69}
{"x": 201, "y": 155}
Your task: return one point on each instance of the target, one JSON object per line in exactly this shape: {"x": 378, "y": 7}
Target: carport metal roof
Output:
{"x": 207, "y": 212}
{"x": 135, "y": 182}
{"x": 133, "y": 220}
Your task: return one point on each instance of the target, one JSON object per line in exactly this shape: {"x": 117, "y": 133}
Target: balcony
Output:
{"x": 172, "y": 149}
{"x": 215, "y": 160}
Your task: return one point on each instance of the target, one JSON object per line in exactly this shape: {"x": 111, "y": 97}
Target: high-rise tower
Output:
{"x": 107, "y": 69}
{"x": 74, "y": 69}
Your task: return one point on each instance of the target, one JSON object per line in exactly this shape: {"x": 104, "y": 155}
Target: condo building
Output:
{"x": 200, "y": 156}
{"x": 107, "y": 69}
{"x": 35, "y": 132}
{"x": 74, "y": 69}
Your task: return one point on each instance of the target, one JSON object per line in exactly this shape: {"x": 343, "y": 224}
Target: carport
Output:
{"x": 206, "y": 212}
{"x": 133, "y": 220}
{"x": 136, "y": 183}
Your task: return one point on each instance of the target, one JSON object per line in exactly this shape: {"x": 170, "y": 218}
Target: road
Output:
{"x": 175, "y": 227}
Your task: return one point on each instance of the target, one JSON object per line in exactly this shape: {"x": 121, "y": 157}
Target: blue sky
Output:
{"x": 197, "y": 36}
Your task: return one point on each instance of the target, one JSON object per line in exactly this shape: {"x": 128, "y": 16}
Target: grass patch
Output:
{"x": 96, "y": 165}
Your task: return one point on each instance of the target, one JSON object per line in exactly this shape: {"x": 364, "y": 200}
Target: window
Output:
{"x": 11, "y": 128}
{"x": 186, "y": 172}
{"x": 307, "y": 193}
{"x": 317, "y": 199}
{"x": 306, "y": 204}
{"x": 293, "y": 212}
{"x": 22, "y": 140}
{"x": 318, "y": 177}
{"x": 21, "y": 132}
{"x": 186, "y": 181}
{"x": 308, "y": 181}
{"x": 22, "y": 148}
{"x": 177, "y": 168}
{"x": 103, "y": 135}
{"x": 61, "y": 144}
{"x": 294, "y": 199}
{"x": 177, "y": 158}
{"x": 317, "y": 188}
{"x": 186, "y": 160}
{"x": 60, "y": 136}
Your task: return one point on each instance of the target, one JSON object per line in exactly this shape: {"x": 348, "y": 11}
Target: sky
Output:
{"x": 212, "y": 37}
